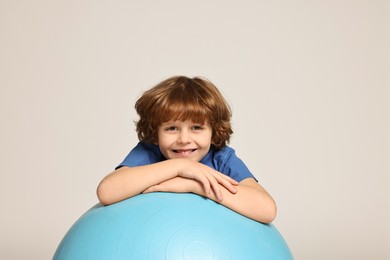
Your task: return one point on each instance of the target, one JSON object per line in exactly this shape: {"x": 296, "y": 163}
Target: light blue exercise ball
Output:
{"x": 170, "y": 226}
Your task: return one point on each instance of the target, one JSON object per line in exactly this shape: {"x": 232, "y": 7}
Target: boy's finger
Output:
{"x": 228, "y": 185}
{"x": 214, "y": 183}
{"x": 206, "y": 185}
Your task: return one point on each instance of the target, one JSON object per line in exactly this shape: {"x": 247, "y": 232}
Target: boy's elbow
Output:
{"x": 271, "y": 215}
{"x": 268, "y": 214}
{"x": 103, "y": 194}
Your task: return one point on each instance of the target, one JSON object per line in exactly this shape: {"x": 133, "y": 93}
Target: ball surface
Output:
{"x": 170, "y": 226}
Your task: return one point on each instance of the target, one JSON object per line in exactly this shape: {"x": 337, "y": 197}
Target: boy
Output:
{"x": 184, "y": 129}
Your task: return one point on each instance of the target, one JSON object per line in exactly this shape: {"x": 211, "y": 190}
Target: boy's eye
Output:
{"x": 171, "y": 128}
{"x": 197, "y": 127}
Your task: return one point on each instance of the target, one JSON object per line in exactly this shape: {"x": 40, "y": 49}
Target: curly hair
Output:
{"x": 184, "y": 99}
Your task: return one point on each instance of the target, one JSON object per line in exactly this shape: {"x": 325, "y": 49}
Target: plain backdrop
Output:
{"x": 308, "y": 82}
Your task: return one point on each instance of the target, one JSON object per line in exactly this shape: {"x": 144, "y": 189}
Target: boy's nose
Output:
{"x": 184, "y": 137}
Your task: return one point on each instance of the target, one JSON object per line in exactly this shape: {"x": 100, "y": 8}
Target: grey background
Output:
{"x": 308, "y": 82}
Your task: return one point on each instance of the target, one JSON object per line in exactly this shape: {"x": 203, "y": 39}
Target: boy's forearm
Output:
{"x": 252, "y": 202}
{"x": 248, "y": 201}
{"x": 127, "y": 182}
{"x": 176, "y": 184}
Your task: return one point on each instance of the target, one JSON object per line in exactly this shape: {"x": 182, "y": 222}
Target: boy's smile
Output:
{"x": 184, "y": 152}
{"x": 184, "y": 139}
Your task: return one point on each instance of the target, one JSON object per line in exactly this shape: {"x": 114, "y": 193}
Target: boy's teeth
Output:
{"x": 184, "y": 151}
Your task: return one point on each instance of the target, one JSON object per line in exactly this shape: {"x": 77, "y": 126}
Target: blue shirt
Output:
{"x": 223, "y": 160}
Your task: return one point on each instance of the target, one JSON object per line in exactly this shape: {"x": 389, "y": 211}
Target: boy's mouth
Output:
{"x": 184, "y": 151}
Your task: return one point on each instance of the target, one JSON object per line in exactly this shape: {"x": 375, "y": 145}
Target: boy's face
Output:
{"x": 184, "y": 139}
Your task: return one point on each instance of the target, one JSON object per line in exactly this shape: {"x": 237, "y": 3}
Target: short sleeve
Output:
{"x": 227, "y": 162}
{"x": 142, "y": 154}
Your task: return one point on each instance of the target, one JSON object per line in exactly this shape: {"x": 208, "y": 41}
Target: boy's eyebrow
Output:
{"x": 168, "y": 123}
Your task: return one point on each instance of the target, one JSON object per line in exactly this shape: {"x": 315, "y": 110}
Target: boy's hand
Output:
{"x": 209, "y": 178}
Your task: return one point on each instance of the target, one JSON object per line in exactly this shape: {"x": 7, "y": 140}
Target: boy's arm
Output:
{"x": 127, "y": 182}
{"x": 250, "y": 200}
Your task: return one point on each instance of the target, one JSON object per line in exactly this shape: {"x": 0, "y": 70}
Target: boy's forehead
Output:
{"x": 186, "y": 121}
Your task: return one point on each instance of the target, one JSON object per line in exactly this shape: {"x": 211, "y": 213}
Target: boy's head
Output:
{"x": 181, "y": 98}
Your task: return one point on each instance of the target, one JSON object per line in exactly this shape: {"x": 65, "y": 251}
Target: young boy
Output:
{"x": 184, "y": 128}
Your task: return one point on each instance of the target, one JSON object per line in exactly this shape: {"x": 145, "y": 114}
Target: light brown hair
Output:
{"x": 182, "y": 98}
